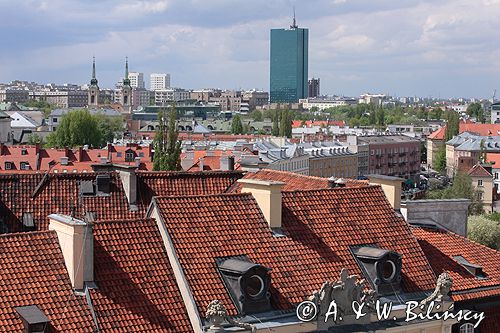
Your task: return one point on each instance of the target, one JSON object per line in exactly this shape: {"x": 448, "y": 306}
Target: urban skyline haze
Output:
{"x": 438, "y": 48}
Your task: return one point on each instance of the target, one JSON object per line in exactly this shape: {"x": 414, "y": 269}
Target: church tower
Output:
{"x": 126, "y": 91}
{"x": 93, "y": 95}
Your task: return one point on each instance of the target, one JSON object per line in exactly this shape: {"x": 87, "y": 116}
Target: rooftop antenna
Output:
{"x": 294, "y": 24}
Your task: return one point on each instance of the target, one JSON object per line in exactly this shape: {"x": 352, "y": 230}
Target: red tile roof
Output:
{"x": 294, "y": 181}
{"x": 440, "y": 246}
{"x": 480, "y": 129}
{"x": 137, "y": 290}
{"x": 438, "y": 135}
{"x": 311, "y": 123}
{"x": 479, "y": 171}
{"x": 494, "y": 159}
{"x": 167, "y": 183}
{"x": 319, "y": 225}
{"x": 59, "y": 193}
{"x": 32, "y": 272}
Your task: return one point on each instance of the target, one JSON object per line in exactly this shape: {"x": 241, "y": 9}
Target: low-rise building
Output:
{"x": 5, "y": 128}
{"x": 482, "y": 181}
{"x": 14, "y": 95}
{"x": 322, "y": 103}
{"x": 331, "y": 159}
{"x": 62, "y": 99}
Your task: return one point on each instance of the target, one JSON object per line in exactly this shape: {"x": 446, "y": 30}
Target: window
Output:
{"x": 496, "y": 175}
{"x": 54, "y": 120}
{"x": 25, "y": 166}
{"x": 480, "y": 182}
{"x": 8, "y": 165}
{"x": 480, "y": 195}
{"x": 129, "y": 157}
{"x": 118, "y": 154}
{"x": 24, "y": 152}
{"x": 467, "y": 328}
{"x": 141, "y": 154}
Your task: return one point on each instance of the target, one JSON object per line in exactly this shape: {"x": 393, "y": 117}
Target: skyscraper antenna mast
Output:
{"x": 294, "y": 24}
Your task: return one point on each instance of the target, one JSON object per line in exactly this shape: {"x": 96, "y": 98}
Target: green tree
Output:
{"x": 109, "y": 127}
{"x": 167, "y": 147}
{"x": 256, "y": 115}
{"x": 285, "y": 128}
{"x": 440, "y": 160}
{"x": 77, "y": 128}
{"x": 476, "y": 110}
{"x": 276, "y": 128}
{"x": 485, "y": 231}
{"x": 381, "y": 116}
{"x": 236, "y": 125}
{"x": 482, "y": 152}
{"x": 34, "y": 139}
{"x": 452, "y": 127}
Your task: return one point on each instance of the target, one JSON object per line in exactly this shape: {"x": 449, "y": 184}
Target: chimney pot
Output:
{"x": 77, "y": 244}
{"x": 268, "y": 197}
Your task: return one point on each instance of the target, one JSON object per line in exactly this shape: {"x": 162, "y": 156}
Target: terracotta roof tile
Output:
{"x": 479, "y": 171}
{"x": 32, "y": 272}
{"x": 294, "y": 181}
{"x": 137, "y": 291}
{"x": 441, "y": 246}
{"x": 59, "y": 193}
{"x": 438, "y": 134}
{"x": 319, "y": 225}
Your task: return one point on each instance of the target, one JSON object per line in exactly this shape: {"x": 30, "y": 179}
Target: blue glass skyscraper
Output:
{"x": 289, "y": 62}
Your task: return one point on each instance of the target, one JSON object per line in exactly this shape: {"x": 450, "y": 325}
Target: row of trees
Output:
{"x": 282, "y": 122}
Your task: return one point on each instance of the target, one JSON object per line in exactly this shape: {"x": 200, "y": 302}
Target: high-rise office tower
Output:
{"x": 159, "y": 81}
{"x": 136, "y": 80}
{"x": 313, "y": 85}
{"x": 289, "y": 62}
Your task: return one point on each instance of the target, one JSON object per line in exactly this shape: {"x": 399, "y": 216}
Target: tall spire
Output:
{"x": 93, "y": 82}
{"x": 294, "y": 23}
{"x": 126, "y": 80}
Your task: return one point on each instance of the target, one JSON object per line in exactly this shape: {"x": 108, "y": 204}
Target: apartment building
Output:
{"x": 159, "y": 81}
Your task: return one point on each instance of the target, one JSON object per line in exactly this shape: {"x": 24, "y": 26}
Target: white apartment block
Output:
{"x": 136, "y": 80}
{"x": 166, "y": 96}
{"x": 159, "y": 81}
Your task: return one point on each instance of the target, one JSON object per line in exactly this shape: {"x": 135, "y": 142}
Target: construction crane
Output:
{"x": 493, "y": 97}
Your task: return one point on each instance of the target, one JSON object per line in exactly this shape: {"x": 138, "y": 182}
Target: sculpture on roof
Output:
{"x": 217, "y": 313}
{"x": 345, "y": 291}
{"x": 443, "y": 287}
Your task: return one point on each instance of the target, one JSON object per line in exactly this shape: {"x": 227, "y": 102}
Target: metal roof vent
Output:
{"x": 87, "y": 188}
{"x": 381, "y": 267}
{"x": 475, "y": 270}
{"x": 103, "y": 184}
{"x": 34, "y": 320}
{"x": 248, "y": 284}
{"x": 28, "y": 222}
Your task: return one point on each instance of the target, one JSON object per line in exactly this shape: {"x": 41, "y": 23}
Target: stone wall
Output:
{"x": 449, "y": 214}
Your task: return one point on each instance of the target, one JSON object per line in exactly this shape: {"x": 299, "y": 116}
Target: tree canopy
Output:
{"x": 167, "y": 155}
{"x": 236, "y": 125}
{"x": 485, "y": 230}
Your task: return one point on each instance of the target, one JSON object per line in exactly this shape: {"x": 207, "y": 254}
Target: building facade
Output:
{"x": 137, "y": 80}
{"x": 495, "y": 113}
{"x": 313, "y": 88}
{"x": 13, "y": 96}
{"x": 289, "y": 64}
{"x": 159, "y": 81}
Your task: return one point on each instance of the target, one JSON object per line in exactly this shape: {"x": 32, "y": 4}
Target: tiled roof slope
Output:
{"x": 319, "y": 225}
{"x": 59, "y": 193}
{"x": 152, "y": 184}
{"x": 479, "y": 171}
{"x": 137, "y": 291}
{"x": 440, "y": 246}
{"x": 32, "y": 272}
{"x": 294, "y": 181}
{"x": 438, "y": 134}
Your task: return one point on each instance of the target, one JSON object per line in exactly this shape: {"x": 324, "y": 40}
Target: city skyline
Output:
{"x": 440, "y": 48}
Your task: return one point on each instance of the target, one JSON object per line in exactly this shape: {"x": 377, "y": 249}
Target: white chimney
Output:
{"x": 129, "y": 182}
{"x": 268, "y": 197}
{"x": 77, "y": 244}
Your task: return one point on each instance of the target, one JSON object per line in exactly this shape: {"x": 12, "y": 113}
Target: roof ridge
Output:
{"x": 25, "y": 234}
{"x": 123, "y": 221}
{"x": 346, "y": 188}
{"x": 235, "y": 194}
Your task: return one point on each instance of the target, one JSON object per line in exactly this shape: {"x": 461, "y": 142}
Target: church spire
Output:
{"x": 294, "y": 23}
{"x": 93, "y": 81}
{"x": 126, "y": 80}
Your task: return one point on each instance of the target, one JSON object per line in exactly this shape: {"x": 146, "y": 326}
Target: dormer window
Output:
{"x": 248, "y": 284}
{"x": 9, "y": 165}
{"x": 475, "y": 270}
{"x": 381, "y": 267}
{"x": 129, "y": 156}
{"x": 118, "y": 154}
{"x": 24, "y": 151}
{"x": 28, "y": 222}
{"x": 34, "y": 320}
{"x": 25, "y": 166}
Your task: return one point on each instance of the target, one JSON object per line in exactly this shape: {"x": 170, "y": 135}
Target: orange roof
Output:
{"x": 33, "y": 272}
{"x": 438, "y": 135}
{"x": 319, "y": 226}
{"x": 480, "y": 129}
{"x": 137, "y": 291}
{"x": 311, "y": 123}
{"x": 294, "y": 181}
{"x": 441, "y": 246}
{"x": 494, "y": 159}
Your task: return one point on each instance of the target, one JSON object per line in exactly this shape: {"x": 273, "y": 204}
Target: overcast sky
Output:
{"x": 439, "y": 48}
